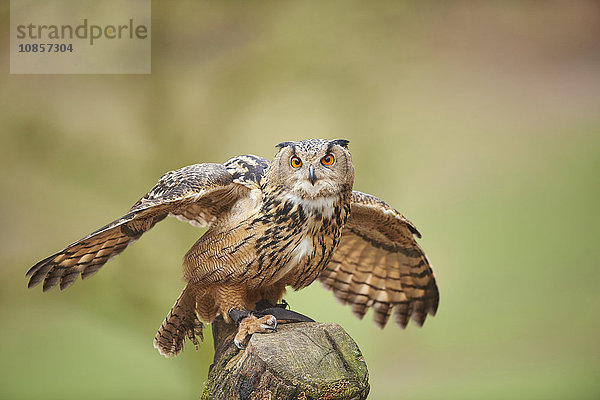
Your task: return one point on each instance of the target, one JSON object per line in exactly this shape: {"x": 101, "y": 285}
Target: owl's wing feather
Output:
{"x": 379, "y": 264}
{"x": 198, "y": 193}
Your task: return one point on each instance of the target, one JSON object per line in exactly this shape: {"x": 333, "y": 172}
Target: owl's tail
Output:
{"x": 181, "y": 322}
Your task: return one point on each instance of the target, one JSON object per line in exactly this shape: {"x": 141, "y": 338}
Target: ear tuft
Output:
{"x": 340, "y": 142}
{"x": 284, "y": 144}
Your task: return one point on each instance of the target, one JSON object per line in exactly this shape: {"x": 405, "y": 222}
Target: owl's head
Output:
{"x": 313, "y": 168}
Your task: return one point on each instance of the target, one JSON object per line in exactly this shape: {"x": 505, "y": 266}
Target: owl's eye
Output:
{"x": 295, "y": 162}
{"x": 328, "y": 159}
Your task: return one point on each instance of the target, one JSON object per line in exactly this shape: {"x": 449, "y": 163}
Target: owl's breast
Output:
{"x": 297, "y": 257}
{"x": 298, "y": 245}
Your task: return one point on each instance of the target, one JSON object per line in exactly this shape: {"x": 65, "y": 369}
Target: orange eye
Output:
{"x": 329, "y": 159}
{"x": 295, "y": 162}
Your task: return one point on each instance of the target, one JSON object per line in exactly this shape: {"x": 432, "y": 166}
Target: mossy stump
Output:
{"x": 303, "y": 360}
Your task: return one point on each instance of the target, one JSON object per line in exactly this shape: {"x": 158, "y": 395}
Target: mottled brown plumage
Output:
{"x": 271, "y": 225}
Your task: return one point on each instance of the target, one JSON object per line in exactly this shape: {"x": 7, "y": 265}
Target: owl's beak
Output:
{"x": 311, "y": 175}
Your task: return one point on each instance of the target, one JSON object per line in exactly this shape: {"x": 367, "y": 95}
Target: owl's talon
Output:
{"x": 238, "y": 344}
{"x": 270, "y": 325}
{"x": 251, "y": 325}
{"x": 268, "y": 328}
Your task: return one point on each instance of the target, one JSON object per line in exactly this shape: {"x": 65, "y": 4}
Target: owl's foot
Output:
{"x": 253, "y": 324}
{"x": 262, "y": 321}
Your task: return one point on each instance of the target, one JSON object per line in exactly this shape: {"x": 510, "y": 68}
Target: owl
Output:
{"x": 271, "y": 225}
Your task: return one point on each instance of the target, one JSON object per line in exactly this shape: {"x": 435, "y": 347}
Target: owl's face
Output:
{"x": 313, "y": 168}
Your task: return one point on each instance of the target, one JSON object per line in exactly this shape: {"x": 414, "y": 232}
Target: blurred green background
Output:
{"x": 480, "y": 121}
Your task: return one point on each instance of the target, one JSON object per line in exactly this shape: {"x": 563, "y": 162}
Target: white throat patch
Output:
{"x": 323, "y": 205}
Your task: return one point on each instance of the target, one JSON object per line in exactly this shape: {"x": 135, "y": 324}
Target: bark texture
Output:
{"x": 305, "y": 360}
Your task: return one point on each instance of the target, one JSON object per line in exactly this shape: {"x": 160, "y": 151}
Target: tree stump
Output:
{"x": 302, "y": 360}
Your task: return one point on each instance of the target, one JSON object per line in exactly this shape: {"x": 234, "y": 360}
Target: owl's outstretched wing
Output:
{"x": 379, "y": 264}
{"x": 198, "y": 194}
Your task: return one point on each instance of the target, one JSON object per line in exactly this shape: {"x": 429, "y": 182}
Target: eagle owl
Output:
{"x": 271, "y": 225}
